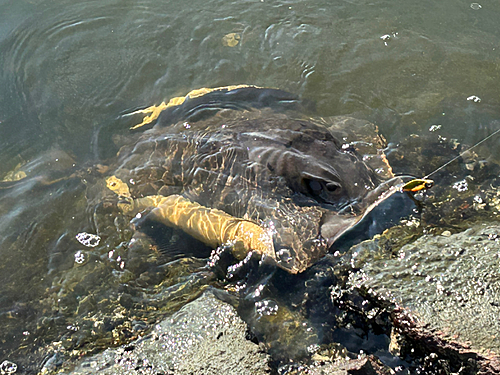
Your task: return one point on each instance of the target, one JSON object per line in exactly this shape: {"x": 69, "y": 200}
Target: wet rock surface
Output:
{"x": 205, "y": 337}
{"x": 400, "y": 317}
{"x": 439, "y": 353}
{"x": 381, "y": 314}
{"x": 368, "y": 365}
{"x": 449, "y": 282}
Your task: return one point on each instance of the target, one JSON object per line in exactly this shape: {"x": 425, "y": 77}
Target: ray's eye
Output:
{"x": 332, "y": 187}
{"x": 319, "y": 187}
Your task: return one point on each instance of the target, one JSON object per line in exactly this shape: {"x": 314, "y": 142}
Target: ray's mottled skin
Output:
{"x": 230, "y": 150}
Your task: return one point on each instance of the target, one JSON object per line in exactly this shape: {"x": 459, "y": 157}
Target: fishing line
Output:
{"x": 424, "y": 182}
{"x": 462, "y": 153}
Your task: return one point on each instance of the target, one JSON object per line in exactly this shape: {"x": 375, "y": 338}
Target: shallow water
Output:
{"x": 70, "y": 69}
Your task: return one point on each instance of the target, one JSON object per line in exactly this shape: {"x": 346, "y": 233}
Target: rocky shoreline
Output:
{"x": 433, "y": 320}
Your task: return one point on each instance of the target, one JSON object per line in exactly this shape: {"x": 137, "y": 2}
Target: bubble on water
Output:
{"x": 88, "y": 239}
{"x": 313, "y": 348}
{"x": 474, "y": 98}
{"x": 73, "y": 328}
{"x": 475, "y": 6}
{"x": 461, "y": 186}
{"x": 80, "y": 257}
{"x": 387, "y": 37}
{"x": 8, "y": 367}
{"x": 231, "y": 270}
{"x": 266, "y": 308}
{"x": 284, "y": 255}
{"x": 258, "y": 291}
{"x": 215, "y": 256}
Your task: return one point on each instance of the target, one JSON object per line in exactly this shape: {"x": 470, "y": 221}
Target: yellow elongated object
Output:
{"x": 211, "y": 226}
{"x": 417, "y": 184}
{"x": 155, "y": 110}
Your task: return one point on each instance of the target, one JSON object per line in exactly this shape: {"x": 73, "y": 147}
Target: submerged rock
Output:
{"x": 206, "y": 337}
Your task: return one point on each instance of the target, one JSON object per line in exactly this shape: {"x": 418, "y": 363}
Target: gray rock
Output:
{"x": 205, "y": 337}
{"x": 368, "y": 365}
{"x": 450, "y": 284}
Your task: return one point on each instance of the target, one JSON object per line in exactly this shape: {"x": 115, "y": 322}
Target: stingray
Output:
{"x": 247, "y": 166}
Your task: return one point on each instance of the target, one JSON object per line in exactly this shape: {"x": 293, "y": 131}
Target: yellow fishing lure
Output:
{"x": 417, "y": 184}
